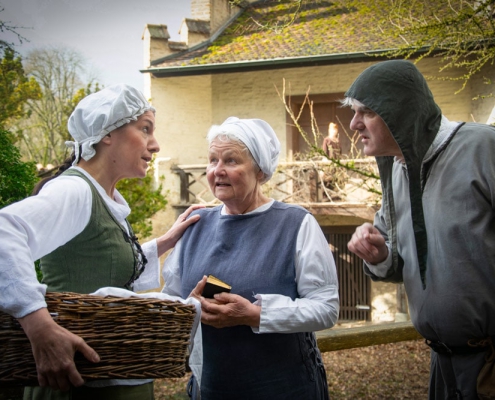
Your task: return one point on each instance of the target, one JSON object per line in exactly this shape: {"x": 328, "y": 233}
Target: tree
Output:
{"x": 60, "y": 73}
{"x": 5, "y": 27}
{"x": 144, "y": 200}
{"x": 333, "y": 176}
{"x": 15, "y": 89}
{"x": 461, "y": 33}
{"x": 17, "y": 178}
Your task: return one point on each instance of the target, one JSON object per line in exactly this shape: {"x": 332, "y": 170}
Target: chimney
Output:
{"x": 215, "y": 12}
{"x": 156, "y": 43}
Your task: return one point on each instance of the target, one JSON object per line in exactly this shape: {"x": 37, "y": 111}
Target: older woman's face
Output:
{"x": 232, "y": 175}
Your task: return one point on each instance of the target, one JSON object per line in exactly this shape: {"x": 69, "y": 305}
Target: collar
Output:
{"x": 445, "y": 133}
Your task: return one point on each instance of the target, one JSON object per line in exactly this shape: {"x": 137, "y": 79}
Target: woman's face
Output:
{"x": 135, "y": 144}
{"x": 232, "y": 175}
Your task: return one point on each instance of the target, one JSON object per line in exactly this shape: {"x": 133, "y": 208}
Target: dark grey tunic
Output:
{"x": 458, "y": 303}
{"x": 438, "y": 218}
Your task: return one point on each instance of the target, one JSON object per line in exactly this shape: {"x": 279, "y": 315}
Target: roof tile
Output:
{"x": 264, "y": 31}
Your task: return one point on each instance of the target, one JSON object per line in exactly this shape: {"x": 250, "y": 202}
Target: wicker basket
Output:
{"x": 136, "y": 338}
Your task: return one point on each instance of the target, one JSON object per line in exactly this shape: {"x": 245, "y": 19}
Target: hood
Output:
{"x": 399, "y": 94}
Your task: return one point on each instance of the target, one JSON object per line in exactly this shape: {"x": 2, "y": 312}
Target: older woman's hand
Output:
{"x": 228, "y": 309}
{"x": 198, "y": 290}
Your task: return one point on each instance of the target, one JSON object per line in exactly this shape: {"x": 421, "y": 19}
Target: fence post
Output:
{"x": 184, "y": 184}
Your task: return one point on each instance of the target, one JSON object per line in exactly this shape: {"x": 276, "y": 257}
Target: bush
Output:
{"x": 17, "y": 178}
{"x": 144, "y": 200}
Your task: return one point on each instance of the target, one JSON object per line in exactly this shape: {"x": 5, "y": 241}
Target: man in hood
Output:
{"x": 435, "y": 230}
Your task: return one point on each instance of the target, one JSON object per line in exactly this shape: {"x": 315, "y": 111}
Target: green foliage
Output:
{"x": 37, "y": 267}
{"x": 15, "y": 89}
{"x": 80, "y": 94}
{"x": 144, "y": 200}
{"x": 17, "y": 178}
{"x": 461, "y": 33}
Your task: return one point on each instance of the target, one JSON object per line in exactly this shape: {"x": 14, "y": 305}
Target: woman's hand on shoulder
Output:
{"x": 169, "y": 239}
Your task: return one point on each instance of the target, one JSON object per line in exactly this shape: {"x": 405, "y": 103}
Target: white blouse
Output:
{"x": 317, "y": 284}
{"x": 37, "y": 225}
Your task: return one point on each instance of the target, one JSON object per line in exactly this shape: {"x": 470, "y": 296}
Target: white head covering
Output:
{"x": 258, "y": 137}
{"x": 102, "y": 112}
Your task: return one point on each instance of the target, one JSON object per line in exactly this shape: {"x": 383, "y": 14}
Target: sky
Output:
{"x": 107, "y": 33}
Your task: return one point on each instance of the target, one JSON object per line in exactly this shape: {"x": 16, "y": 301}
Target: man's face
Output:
{"x": 375, "y": 135}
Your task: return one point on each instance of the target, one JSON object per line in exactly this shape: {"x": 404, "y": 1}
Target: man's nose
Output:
{"x": 356, "y": 123}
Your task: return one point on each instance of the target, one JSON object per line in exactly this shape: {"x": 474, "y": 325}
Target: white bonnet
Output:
{"x": 102, "y": 112}
{"x": 258, "y": 136}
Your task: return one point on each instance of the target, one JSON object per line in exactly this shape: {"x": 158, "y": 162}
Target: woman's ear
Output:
{"x": 107, "y": 139}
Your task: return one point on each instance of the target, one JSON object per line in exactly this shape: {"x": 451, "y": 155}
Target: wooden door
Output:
{"x": 354, "y": 284}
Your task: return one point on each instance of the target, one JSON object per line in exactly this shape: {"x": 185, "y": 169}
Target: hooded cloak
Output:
{"x": 399, "y": 94}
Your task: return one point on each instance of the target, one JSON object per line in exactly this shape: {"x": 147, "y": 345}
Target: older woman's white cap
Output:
{"x": 258, "y": 137}
{"x": 102, "y": 112}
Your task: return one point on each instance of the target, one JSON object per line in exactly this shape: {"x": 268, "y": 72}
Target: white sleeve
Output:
{"x": 171, "y": 272}
{"x": 317, "y": 285}
{"x": 32, "y": 228}
{"x": 150, "y": 278}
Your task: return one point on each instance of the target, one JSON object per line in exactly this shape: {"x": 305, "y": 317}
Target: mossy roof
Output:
{"x": 264, "y": 33}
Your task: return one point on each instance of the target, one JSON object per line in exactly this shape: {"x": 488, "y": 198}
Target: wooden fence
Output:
{"x": 294, "y": 182}
{"x": 368, "y": 335}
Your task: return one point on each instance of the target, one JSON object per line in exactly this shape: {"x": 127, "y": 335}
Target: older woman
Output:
{"x": 77, "y": 225}
{"x": 258, "y": 340}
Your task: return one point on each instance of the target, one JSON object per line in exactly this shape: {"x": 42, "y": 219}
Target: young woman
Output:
{"x": 77, "y": 226}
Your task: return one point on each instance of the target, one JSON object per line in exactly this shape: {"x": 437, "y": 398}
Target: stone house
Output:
{"x": 247, "y": 61}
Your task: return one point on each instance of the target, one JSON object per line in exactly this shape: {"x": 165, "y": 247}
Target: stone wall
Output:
{"x": 384, "y": 301}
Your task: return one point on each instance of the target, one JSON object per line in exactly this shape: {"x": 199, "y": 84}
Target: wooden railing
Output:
{"x": 362, "y": 336}
{"x": 294, "y": 182}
